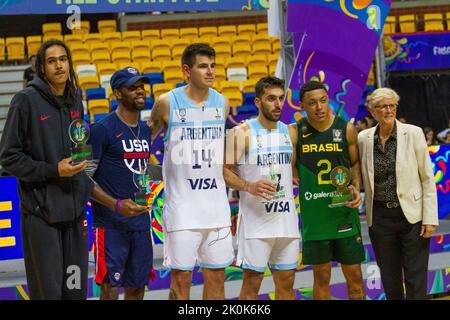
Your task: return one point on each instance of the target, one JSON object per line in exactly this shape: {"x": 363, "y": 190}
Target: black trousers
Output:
{"x": 401, "y": 254}
{"x": 56, "y": 258}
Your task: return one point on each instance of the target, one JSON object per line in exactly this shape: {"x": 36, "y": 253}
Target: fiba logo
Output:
{"x": 308, "y": 195}
{"x": 117, "y": 276}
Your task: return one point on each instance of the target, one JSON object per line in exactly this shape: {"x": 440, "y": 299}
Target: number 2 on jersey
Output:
{"x": 324, "y": 171}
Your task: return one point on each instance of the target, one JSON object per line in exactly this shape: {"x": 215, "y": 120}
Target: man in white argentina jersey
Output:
{"x": 262, "y": 153}
{"x": 196, "y": 213}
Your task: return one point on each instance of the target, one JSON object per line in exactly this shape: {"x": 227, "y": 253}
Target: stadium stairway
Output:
{"x": 11, "y": 82}
{"x": 13, "y": 280}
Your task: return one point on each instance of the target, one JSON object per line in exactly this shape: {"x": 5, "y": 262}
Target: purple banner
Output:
{"x": 335, "y": 43}
{"x": 417, "y": 51}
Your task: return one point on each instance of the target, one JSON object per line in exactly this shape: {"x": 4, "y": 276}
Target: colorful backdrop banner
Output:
{"x": 99, "y": 6}
{"x": 417, "y": 51}
{"x": 335, "y": 42}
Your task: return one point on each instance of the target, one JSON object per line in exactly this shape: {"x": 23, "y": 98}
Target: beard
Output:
{"x": 268, "y": 115}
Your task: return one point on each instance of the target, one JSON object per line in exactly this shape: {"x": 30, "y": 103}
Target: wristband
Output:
{"x": 118, "y": 205}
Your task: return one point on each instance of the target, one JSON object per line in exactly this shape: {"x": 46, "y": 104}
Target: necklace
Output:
{"x": 129, "y": 127}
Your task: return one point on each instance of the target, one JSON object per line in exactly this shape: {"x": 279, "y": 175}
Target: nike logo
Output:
{"x": 306, "y": 135}
{"x": 119, "y": 135}
{"x": 43, "y": 118}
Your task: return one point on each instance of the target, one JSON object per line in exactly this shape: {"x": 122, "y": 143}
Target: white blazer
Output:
{"x": 416, "y": 189}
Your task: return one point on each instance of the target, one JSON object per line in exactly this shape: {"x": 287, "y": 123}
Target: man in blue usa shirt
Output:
{"x": 121, "y": 145}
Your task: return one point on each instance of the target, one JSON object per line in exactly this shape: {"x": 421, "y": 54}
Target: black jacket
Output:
{"x": 34, "y": 140}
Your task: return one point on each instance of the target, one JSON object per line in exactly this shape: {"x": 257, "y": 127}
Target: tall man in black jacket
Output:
{"x": 35, "y": 147}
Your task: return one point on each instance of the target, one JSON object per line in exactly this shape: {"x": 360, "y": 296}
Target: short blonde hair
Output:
{"x": 379, "y": 94}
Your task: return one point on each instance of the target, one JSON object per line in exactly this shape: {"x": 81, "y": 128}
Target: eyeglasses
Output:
{"x": 386, "y": 106}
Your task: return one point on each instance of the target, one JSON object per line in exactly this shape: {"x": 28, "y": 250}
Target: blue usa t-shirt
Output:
{"x": 121, "y": 151}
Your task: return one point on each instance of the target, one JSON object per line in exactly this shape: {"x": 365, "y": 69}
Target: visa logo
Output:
{"x": 278, "y": 207}
{"x": 203, "y": 184}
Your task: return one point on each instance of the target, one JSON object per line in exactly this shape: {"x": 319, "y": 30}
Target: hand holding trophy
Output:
{"x": 79, "y": 135}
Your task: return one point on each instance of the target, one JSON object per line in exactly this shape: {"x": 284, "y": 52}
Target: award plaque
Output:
{"x": 141, "y": 181}
{"x": 340, "y": 178}
{"x": 79, "y": 135}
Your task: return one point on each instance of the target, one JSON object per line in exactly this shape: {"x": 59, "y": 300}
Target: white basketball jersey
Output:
{"x": 195, "y": 194}
{"x": 269, "y": 157}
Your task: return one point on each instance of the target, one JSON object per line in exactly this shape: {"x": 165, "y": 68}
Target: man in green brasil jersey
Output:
{"x": 329, "y": 233}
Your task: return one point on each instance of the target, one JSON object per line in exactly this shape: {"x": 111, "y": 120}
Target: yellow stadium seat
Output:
{"x": 390, "y": 26}
{"x": 71, "y": 39}
{"x": 229, "y": 86}
{"x": 447, "y": 18}
{"x": 124, "y": 64}
{"x": 160, "y": 44}
{"x": 161, "y": 88}
{"x": 104, "y": 69}
{"x": 140, "y": 56}
{"x": 91, "y": 38}
{"x": 179, "y": 43}
{"x": 241, "y": 40}
{"x": 97, "y": 106}
{"x": 249, "y": 85}
{"x": 100, "y": 58}
{"x": 161, "y": 55}
{"x": 200, "y": 40}
{"x": 177, "y": 53}
{"x": 111, "y": 37}
{"x": 242, "y": 50}
{"x": 49, "y": 29}
{"x": 33, "y": 44}
{"x": 276, "y": 47}
{"x": 207, "y": 32}
{"x": 256, "y": 60}
{"x": 46, "y": 38}
{"x": 235, "y": 62}
{"x": 262, "y": 48}
{"x": 260, "y": 39}
{"x": 249, "y": 29}
{"x": 110, "y": 94}
{"x": 131, "y": 35}
{"x": 272, "y": 70}
{"x": 106, "y": 26}
{"x": 151, "y": 66}
{"x": 257, "y": 72}
{"x": 140, "y": 45}
{"x": 81, "y": 58}
{"x": 148, "y": 89}
{"x": 119, "y": 46}
{"x": 82, "y": 28}
{"x": 220, "y": 63}
{"x": 235, "y": 98}
{"x": 170, "y": 34}
{"x": 407, "y": 23}
{"x": 262, "y": 28}
{"x": 2, "y": 49}
{"x": 172, "y": 66}
{"x": 223, "y": 50}
{"x": 80, "y": 49}
{"x": 433, "y": 22}
{"x": 188, "y": 33}
{"x": 120, "y": 57}
{"x": 215, "y": 41}
{"x": 371, "y": 76}
{"x": 272, "y": 59}
{"x": 99, "y": 47}
{"x": 88, "y": 83}
{"x": 151, "y": 34}
{"x": 227, "y": 31}
{"x": 173, "y": 77}
{"x": 220, "y": 75}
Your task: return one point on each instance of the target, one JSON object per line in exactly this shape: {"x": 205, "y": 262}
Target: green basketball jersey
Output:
{"x": 317, "y": 154}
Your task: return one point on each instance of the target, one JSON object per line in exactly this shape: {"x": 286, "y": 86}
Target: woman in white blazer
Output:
{"x": 401, "y": 201}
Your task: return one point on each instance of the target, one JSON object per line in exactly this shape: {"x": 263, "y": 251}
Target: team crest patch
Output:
{"x": 218, "y": 115}
{"x": 286, "y": 139}
{"x": 337, "y": 135}
{"x": 182, "y": 114}
{"x": 259, "y": 141}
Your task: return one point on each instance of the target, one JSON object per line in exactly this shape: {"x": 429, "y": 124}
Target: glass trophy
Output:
{"x": 79, "y": 135}
{"x": 141, "y": 180}
{"x": 340, "y": 178}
